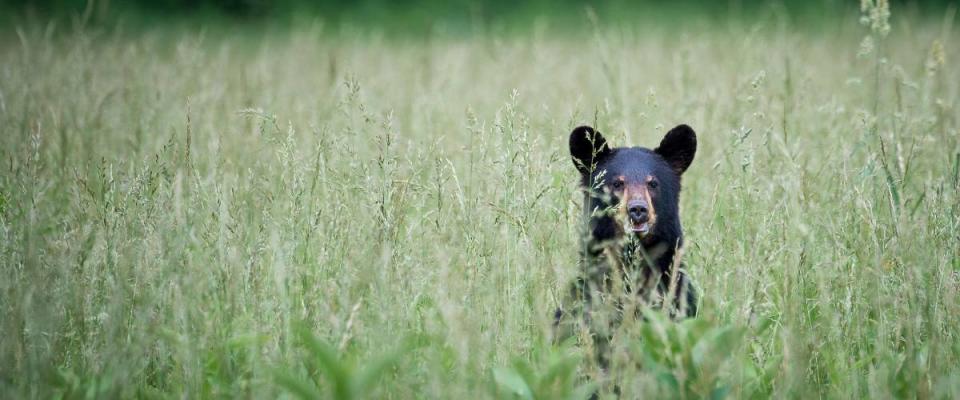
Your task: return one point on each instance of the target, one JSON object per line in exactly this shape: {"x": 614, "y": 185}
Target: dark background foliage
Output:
{"x": 424, "y": 15}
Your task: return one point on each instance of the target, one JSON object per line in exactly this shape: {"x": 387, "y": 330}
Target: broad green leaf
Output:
{"x": 373, "y": 370}
{"x": 300, "y": 388}
{"x": 512, "y": 381}
{"x": 329, "y": 363}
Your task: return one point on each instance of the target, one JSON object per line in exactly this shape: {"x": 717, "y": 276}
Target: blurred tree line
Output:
{"x": 389, "y": 14}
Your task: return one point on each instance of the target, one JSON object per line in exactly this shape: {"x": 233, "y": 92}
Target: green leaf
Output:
{"x": 720, "y": 341}
{"x": 300, "y": 388}
{"x": 720, "y": 393}
{"x": 367, "y": 378}
{"x": 764, "y": 324}
{"x": 329, "y": 363}
{"x": 583, "y": 392}
{"x": 651, "y": 343}
{"x": 522, "y": 368}
{"x": 512, "y": 381}
{"x": 562, "y": 368}
{"x": 669, "y": 380}
{"x": 247, "y": 340}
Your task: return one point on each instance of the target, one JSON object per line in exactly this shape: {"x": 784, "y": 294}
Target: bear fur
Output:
{"x": 631, "y": 247}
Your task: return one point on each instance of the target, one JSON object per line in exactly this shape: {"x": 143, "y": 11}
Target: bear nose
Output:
{"x": 637, "y": 210}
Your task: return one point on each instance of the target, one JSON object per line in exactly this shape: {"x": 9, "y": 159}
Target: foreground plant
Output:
{"x": 553, "y": 374}
{"x": 348, "y": 378}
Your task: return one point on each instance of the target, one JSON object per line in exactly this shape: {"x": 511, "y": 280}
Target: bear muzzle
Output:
{"x": 638, "y": 217}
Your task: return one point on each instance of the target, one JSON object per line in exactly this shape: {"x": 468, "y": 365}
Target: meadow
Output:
{"x": 312, "y": 212}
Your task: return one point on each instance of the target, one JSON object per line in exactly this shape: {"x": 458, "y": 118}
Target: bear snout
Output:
{"x": 638, "y": 211}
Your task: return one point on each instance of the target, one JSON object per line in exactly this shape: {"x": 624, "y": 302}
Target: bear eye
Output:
{"x": 653, "y": 184}
{"x": 617, "y": 184}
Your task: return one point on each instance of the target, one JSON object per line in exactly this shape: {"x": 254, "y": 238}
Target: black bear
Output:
{"x": 632, "y": 242}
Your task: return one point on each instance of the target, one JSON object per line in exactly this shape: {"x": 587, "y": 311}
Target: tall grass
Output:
{"x": 184, "y": 215}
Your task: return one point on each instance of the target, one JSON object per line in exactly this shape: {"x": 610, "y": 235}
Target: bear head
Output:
{"x": 633, "y": 190}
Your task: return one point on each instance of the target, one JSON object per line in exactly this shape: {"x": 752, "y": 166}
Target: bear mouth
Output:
{"x": 640, "y": 228}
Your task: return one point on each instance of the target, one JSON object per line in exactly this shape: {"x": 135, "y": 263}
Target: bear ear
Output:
{"x": 678, "y": 147}
{"x": 587, "y": 148}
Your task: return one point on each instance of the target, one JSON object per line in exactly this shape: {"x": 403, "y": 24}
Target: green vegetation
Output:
{"x": 307, "y": 213}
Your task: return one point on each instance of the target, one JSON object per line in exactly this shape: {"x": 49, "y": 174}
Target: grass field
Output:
{"x": 308, "y": 213}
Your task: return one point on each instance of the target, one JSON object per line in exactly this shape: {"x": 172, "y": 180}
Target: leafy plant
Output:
{"x": 349, "y": 378}
{"x": 686, "y": 358}
{"x": 552, "y": 375}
